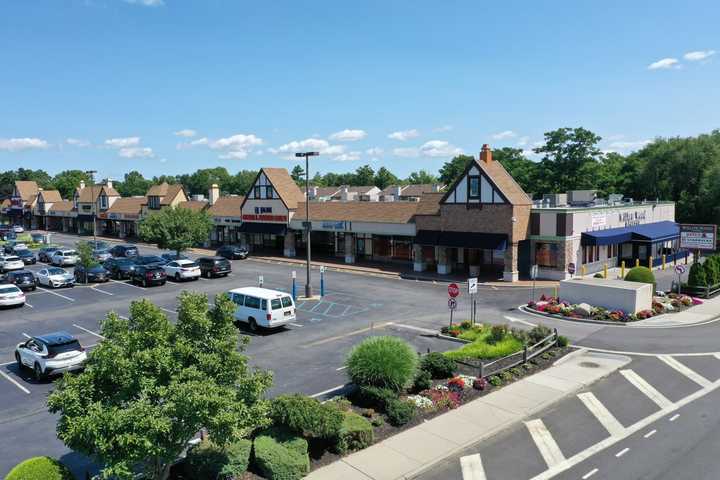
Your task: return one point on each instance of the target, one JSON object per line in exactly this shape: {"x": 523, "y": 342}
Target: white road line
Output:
{"x": 650, "y": 391}
{"x": 296, "y": 325}
{"x": 603, "y": 415}
{"x": 329, "y": 390}
{"x": 674, "y": 417}
{"x": 28, "y": 305}
{"x": 687, "y": 371}
{"x": 417, "y": 329}
{"x": 341, "y": 368}
{"x": 717, "y": 355}
{"x": 127, "y": 284}
{"x": 101, "y": 291}
{"x": 472, "y": 467}
{"x": 545, "y": 443}
{"x": 26, "y": 335}
{"x": 650, "y": 434}
{"x": 57, "y": 294}
{"x": 88, "y": 331}
{"x": 622, "y": 452}
{"x": 589, "y": 474}
{"x": 168, "y": 310}
{"x": 517, "y": 320}
{"x": 14, "y": 382}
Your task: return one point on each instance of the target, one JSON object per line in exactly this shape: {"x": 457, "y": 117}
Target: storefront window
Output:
{"x": 402, "y": 248}
{"x": 381, "y": 246}
{"x": 546, "y": 254}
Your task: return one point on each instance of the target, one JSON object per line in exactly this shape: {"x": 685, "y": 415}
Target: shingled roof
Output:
{"x": 194, "y": 205}
{"x": 165, "y": 191}
{"x": 62, "y": 206}
{"x": 374, "y": 212}
{"x": 27, "y": 189}
{"x": 85, "y": 195}
{"x": 227, "y": 207}
{"x": 128, "y": 205}
{"x": 285, "y": 186}
{"x": 429, "y": 204}
{"x": 50, "y": 196}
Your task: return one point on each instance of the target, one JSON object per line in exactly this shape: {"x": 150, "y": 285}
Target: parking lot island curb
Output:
{"x": 409, "y": 453}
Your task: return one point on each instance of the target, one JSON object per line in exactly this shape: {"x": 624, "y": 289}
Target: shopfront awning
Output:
{"x": 257, "y": 227}
{"x": 85, "y": 218}
{"x": 647, "y": 232}
{"x": 427, "y": 237}
{"x": 486, "y": 241}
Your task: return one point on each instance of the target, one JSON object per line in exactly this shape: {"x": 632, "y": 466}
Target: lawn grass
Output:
{"x": 482, "y": 350}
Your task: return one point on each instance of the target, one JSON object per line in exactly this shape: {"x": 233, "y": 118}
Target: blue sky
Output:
{"x": 169, "y": 86}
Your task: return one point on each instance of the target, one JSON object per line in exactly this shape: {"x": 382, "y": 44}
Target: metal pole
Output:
{"x": 308, "y": 286}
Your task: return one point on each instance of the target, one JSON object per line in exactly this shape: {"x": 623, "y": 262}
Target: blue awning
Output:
{"x": 648, "y": 232}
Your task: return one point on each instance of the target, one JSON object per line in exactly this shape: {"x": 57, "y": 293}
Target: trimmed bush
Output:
{"x": 211, "y": 461}
{"x": 40, "y": 468}
{"x": 386, "y": 362}
{"x": 712, "y": 269}
{"x": 562, "y": 341}
{"x": 281, "y": 456}
{"x": 399, "y": 412}
{"x": 423, "y": 381}
{"x": 697, "y": 276}
{"x": 306, "y": 416}
{"x": 497, "y": 333}
{"x": 374, "y": 397}
{"x": 640, "y": 275}
{"x": 598, "y": 275}
{"x": 356, "y": 433}
{"x": 438, "y": 365}
{"x": 538, "y": 332}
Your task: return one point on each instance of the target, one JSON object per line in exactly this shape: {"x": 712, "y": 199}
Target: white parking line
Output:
{"x": 674, "y": 417}
{"x": 56, "y": 294}
{"x": 602, "y": 414}
{"x": 296, "y": 325}
{"x": 101, "y": 291}
{"x": 88, "y": 331}
{"x": 545, "y": 443}
{"x": 472, "y": 467}
{"x": 589, "y": 474}
{"x": 650, "y": 434}
{"x": 650, "y": 391}
{"x": 28, "y": 305}
{"x": 687, "y": 371}
{"x": 168, "y": 310}
{"x": 14, "y": 382}
{"x": 126, "y": 284}
{"x": 329, "y": 390}
{"x": 417, "y": 329}
{"x": 26, "y": 335}
{"x": 622, "y": 452}
{"x": 517, "y": 320}
{"x": 341, "y": 368}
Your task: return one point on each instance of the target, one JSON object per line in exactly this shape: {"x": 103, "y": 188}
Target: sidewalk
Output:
{"x": 413, "y": 451}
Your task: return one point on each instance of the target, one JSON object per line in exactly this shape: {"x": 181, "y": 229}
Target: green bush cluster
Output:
{"x": 698, "y": 276}
{"x": 423, "y": 381}
{"x": 374, "y": 397}
{"x": 386, "y": 362}
{"x": 497, "y": 334}
{"x": 213, "y": 462}
{"x": 562, "y": 341}
{"x": 40, "y": 468}
{"x": 706, "y": 273}
{"x": 438, "y": 365}
{"x": 640, "y": 275}
{"x": 280, "y": 455}
{"x": 306, "y": 416}
{"x": 399, "y": 412}
{"x": 538, "y": 333}
{"x": 355, "y": 433}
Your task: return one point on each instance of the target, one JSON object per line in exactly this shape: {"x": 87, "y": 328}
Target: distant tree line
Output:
{"x": 684, "y": 170}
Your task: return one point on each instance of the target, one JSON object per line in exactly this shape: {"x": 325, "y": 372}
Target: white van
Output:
{"x": 262, "y": 307}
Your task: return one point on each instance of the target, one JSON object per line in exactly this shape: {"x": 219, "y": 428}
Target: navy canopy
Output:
{"x": 647, "y": 232}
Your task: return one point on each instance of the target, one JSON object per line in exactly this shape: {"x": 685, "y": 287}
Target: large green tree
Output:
{"x": 451, "y": 170}
{"x": 421, "y": 177}
{"x": 134, "y": 184}
{"x": 176, "y": 228}
{"x": 522, "y": 169}
{"x": 384, "y": 178}
{"x": 67, "y": 181}
{"x": 364, "y": 176}
{"x": 151, "y": 385}
{"x": 567, "y": 155}
{"x": 298, "y": 174}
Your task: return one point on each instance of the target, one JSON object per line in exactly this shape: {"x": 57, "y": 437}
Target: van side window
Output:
{"x": 286, "y": 302}
{"x": 238, "y": 298}
{"x": 264, "y": 305}
{"x": 275, "y": 304}
{"x": 252, "y": 302}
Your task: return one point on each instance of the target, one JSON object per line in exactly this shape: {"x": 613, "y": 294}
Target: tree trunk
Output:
{"x": 161, "y": 470}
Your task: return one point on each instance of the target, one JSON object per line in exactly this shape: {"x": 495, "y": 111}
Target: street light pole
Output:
{"x": 308, "y": 223}
{"x": 92, "y": 173}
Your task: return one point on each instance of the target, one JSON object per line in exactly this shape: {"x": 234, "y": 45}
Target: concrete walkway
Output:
{"x": 413, "y": 451}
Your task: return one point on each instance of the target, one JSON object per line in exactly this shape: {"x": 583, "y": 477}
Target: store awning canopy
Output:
{"x": 427, "y": 237}
{"x": 647, "y": 232}
{"x": 271, "y": 228}
{"x": 486, "y": 241}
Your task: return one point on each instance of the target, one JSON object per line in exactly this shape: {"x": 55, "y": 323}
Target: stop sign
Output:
{"x": 453, "y": 290}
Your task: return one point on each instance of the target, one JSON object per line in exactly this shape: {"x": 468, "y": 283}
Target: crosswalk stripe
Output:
{"x": 603, "y": 415}
{"x": 646, "y": 388}
{"x": 687, "y": 371}
{"x": 472, "y": 467}
{"x": 545, "y": 442}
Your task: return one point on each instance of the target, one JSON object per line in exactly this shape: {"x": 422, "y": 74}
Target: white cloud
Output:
{"x": 235, "y": 147}
{"x": 444, "y": 128}
{"x": 628, "y": 146}
{"x": 406, "y": 152}
{"x": 403, "y": 135}
{"x": 136, "y": 152}
{"x": 349, "y": 135}
{"x": 309, "y": 144}
{"x": 188, "y": 132}
{"x": 439, "y": 148}
{"x": 374, "y": 151}
{"x": 234, "y": 155}
{"x": 147, "y": 3}
{"x": 348, "y": 157}
{"x": 504, "y": 135}
{"x": 698, "y": 55}
{"x": 17, "y": 144}
{"x": 664, "y": 63}
{"x": 193, "y": 143}
{"x": 522, "y": 141}
{"x": 122, "y": 142}
{"x": 77, "y": 142}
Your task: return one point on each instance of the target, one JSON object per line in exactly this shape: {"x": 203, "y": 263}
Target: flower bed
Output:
{"x": 670, "y": 303}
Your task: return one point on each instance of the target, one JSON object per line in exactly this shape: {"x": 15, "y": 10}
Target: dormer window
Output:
{"x": 474, "y": 189}
{"x": 154, "y": 202}
{"x": 103, "y": 202}
{"x": 256, "y": 192}
{"x": 269, "y": 191}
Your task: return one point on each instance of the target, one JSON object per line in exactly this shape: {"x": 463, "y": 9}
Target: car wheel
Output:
{"x": 144, "y": 283}
{"x": 19, "y": 362}
{"x": 253, "y": 325}
{"x": 38, "y": 372}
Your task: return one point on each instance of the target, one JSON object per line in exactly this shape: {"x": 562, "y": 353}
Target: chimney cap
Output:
{"x": 486, "y": 153}
{"x": 214, "y": 185}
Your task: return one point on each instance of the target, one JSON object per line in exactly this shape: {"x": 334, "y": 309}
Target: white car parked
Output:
{"x": 51, "y": 354}
{"x": 64, "y": 257}
{"x": 11, "y": 296}
{"x": 54, "y": 277}
{"x": 182, "y": 270}
{"x": 18, "y": 229}
{"x": 261, "y": 307}
{"x": 10, "y": 262}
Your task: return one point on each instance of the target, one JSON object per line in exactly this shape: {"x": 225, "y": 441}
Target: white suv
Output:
{"x": 50, "y": 354}
{"x": 182, "y": 270}
{"x": 64, "y": 257}
{"x": 11, "y": 262}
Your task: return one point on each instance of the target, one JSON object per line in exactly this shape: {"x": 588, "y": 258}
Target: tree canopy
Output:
{"x": 176, "y": 228}
{"x": 451, "y": 170}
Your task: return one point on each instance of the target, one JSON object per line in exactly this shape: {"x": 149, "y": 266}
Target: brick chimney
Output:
{"x": 213, "y": 194}
{"x": 82, "y": 184}
{"x": 486, "y": 154}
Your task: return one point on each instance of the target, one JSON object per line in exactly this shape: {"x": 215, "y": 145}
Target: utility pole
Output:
{"x": 308, "y": 223}
{"x": 92, "y": 173}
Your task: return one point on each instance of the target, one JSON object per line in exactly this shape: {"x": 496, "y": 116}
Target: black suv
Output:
{"x": 26, "y": 256}
{"x": 124, "y": 251}
{"x": 96, "y": 273}
{"x": 149, "y": 260}
{"x": 214, "y": 266}
{"x": 119, "y": 268}
{"x": 232, "y": 252}
{"x": 147, "y": 275}
{"x": 23, "y": 279}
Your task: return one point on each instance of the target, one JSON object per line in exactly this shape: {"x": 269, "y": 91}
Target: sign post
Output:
{"x": 453, "y": 292}
{"x": 260, "y": 281}
{"x": 679, "y": 269}
{"x": 294, "y": 287}
{"x": 472, "y": 290}
{"x": 452, "y": 305}
{"x": 533, "y": 276}
{"x": 571, "y": 269}
{"x": 322, "y": 280}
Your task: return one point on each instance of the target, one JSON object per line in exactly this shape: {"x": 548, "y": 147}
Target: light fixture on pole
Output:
{"x": 92, "y": 173}
{"x": 308, "y": 223}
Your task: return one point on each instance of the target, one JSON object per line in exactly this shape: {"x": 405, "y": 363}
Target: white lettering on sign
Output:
{"x": 598, "y": 220}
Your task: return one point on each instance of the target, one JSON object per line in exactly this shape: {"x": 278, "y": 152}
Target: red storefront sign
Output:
{"x": 264, "y": 218}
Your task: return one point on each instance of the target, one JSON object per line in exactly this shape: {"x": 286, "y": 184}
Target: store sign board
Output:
{"x": 598, "y": 220}
{"x": 264, "y": 218}
{"x": 698, "y": 236}
{"x": 333, "y": 225}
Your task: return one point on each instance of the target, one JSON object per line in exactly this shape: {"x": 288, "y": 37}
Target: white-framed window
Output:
{"x": 103, "y": 202}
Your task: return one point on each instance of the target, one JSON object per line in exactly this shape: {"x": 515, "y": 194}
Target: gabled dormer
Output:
{"x": 273, "y": 197}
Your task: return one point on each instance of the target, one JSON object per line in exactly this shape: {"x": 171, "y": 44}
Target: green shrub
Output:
{"x": 40, "y": 468}
{"x": 640, "y": 275}
{"x": 211, "y": 461}
{"x": 598, "y": 275}
{"x": 562, "y": 341}
{"x": 399, "y": 412}
{"x": 516, "y": 371}
{"x": 423, "y": 381}
{"x": 538, "y": 333}
{"x": 506, "y": 376}
{"x": 495, "y": 381}
{"x": 281, "y": 456}
{"x": 377, "y": 421}
{"x": 373, "y": 397}
{"x": 356, "y": 433}
{"x": 712, "y": 269}
{"x": 438, "y": 365}
{"x": 698, "y": 276}
{"x": 340, "y": 403}
{"x": 387, "y": 362}
{"x": 306, "y": 416}
{"x": 483, "y": 350}
{"x": 497, "y": 333}
{"x": 520, "y": 334}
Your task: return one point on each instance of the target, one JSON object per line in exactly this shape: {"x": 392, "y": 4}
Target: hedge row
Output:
{"x": 705, "y": 274}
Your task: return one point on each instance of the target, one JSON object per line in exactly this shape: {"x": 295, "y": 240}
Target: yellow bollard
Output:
{"x": 650, "y": 262}
{"x": 622, "y": 269}
{"x": 605, "y": 272}
{"x": 555, "y": 294}
{"x": 582, "y": 271}
{"x": 663, "y": 262}
{"x": 637, "y": 262}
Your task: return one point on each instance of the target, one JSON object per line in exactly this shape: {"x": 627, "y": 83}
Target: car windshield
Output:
{"x": 151, "y": 259}
{"x": 188, "y": 264}
{"x": 96, "y": 268}
{"x": 102, "y": 251}
{"x": 4, "y": 290}
{"x": 70, "y": 346}
{"x": 124, "y": 262}
{"x": 69, "y": 253}
{"x": 56, "y": 271}
{"x": 12, "y": 259}
{"x": 25, "y": 253}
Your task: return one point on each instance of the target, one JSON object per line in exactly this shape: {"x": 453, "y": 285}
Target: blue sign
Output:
{"x": 259, "y": 210}
{"x": 333, "y": 225}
